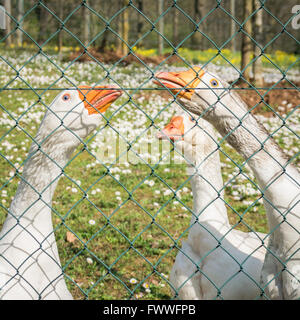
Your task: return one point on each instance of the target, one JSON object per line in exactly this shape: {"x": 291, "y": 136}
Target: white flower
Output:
{"x": 167, "y": 192}
{"x": 89, "y": 260}
{"x": 92, "y": 222}
{"x": 157, "y": 191}
{"x": 117, "y": 193}
{"x": 151, "y": 183}
{"x": 146, "y": 285}
{"x": 133, "y": 281}
{"x": 74, "y": 190}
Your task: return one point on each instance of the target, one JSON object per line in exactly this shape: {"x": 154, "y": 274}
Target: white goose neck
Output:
{"x": 207, "y": 184}
{"x": 249, "y": 138}
{"x": 42, "y": 170}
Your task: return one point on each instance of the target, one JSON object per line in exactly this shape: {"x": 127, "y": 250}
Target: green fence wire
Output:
{"x": 142, "y": 261}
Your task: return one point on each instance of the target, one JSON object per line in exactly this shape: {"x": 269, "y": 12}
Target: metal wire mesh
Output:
{"x": 123, "y": 242}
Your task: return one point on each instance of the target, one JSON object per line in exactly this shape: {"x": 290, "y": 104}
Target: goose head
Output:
{"x": 189, "y": 135}
{"x": 202, "y": 93}
{"x": 181, "y": 127}
{"x": 74, "y": 114}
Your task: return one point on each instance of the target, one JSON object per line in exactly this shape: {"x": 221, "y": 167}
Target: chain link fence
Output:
{"x": 109, "y": 221}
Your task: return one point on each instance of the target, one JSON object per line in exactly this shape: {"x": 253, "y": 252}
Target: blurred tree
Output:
{"x": 198, "y": 14}
{"x": 160, "y": 9}
{"x": 175, "y": 27}
{"x": 60, "y": 34}
{"x": 139, "y": 21}
{"x": 43, "y": 19}
{"x": 258, "y": 36}
{"x": 20, "y": 16}
{"x": 232, "y": 25}
{"x": 107, "y": 33}
{"x": 125, "y": 27}
{"x": 7, "y": 6}
{"x": 86, "y": 24}
{"x": 246, "y": 47}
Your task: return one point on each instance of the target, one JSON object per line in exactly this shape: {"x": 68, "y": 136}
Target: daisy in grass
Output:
{"x": 133, "y": 281}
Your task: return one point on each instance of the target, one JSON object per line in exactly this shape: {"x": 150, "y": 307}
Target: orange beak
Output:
{"x": 173, "y": 130}
{"x": 98, "y": 99}
{"x": 177, "y": 81}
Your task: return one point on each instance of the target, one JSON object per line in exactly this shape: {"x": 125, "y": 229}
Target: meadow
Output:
{"x": 119, "y": 224}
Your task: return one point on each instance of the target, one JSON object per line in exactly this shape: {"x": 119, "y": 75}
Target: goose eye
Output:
{"x": 214, "y": 82}
{"x": 66, "y": 97}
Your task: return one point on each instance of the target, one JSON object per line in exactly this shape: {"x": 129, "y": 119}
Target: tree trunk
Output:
{"x": 43, "y": 18}
{"x": 197, "y": 39}
{"x": 86, "y": 24}
{"x": 106, "y": 33}
{"x": 7, "y": 5}
{"x": 119, "y": 27}
{"x": 103, "y": 43}
{"x": 160, "y": 27}
{"x": 139, "y": 21}
{"x": 125, "y": 29}
{"x": 60, "y": 34}
{"x": 232, "y": 25}
{"x": 246, "y": 49}
{"x": 175, "y": 27}
{"x": 20, "y": 16}
{"x": 257, "y": 68}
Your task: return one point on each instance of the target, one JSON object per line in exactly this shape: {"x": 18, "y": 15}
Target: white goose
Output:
{"x": 205, "y": 94}
{"x": 229, "y": 260}
{"x": 29, "y": 262}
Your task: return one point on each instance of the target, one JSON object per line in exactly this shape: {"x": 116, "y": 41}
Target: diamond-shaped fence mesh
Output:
{"x": 94, "y": 205}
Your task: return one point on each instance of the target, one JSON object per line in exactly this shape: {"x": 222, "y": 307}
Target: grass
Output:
{"x": 119, "y": 235}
